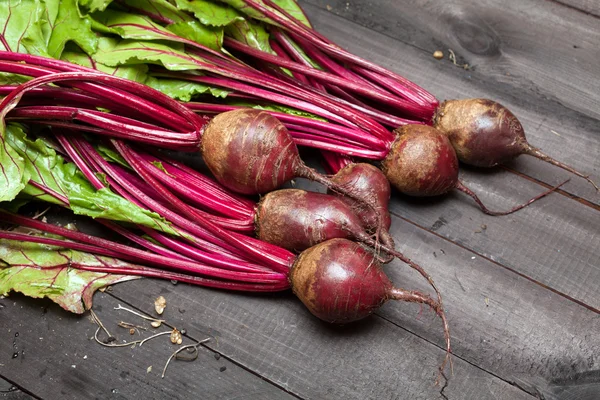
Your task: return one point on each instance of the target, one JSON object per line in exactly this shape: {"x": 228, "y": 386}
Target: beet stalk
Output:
{"x": 483, "y": 132}
{"x": 337, "y": 280}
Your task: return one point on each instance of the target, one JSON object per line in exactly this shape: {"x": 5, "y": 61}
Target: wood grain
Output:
{"x": 590, "y": 7}
{"x": 528, "y": 65}
{"x": 503, "y": 323}
{"x": 8, "y": 391}
{"x": 277, "y": 338}
{"x": 57, "y": 358}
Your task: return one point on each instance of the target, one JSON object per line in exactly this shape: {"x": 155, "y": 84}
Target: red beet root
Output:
{"x": 340, "y": 282}
{"x": 369, "y": 183}
{"x": 422, "y": 162}
{"x": 250, "y": 151}
{"x": 485, "y": 133}
{"x": 296, "y": 219}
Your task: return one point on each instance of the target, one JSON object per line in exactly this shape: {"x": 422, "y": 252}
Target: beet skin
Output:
{"x": 421, "y": 162}
{"x": 370, "y": 183}
{"x": 296, "y": 219}
{"x": 483, "y": 132}
{"x": 339, "y": 281}
{"x": 249, "y": 151}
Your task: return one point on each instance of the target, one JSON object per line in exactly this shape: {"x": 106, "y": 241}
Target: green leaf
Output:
{"x": 41, "y": 165}
{"x": 69, "y": 25}
{"x": 128, "y": 52}
{"x": 12, "y": 165}
{"x": 48, "y": 169}
{"x": 139, "y": 27}
{"x": 160, "y": 10}
{"x": 251, "y": 33}
{"x": 133, "y": 26}
{"x": 207, "y": 36}
{"x": 111, "y": 155}
{"x": 74, "y": 55}
{"x": 290, "y": 6}
{"x": 208, "y": 12}
{"x": 95, "y": 5}
{"x": 12, "y": 79}
{"x": 39, "y": 271}
{"x": 184, "y": 90}
{"x": 21, "y": 30}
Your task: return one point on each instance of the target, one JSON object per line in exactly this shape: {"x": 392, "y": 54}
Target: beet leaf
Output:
{"x": 38, "y": 271}
{"x": 53, "y": 180}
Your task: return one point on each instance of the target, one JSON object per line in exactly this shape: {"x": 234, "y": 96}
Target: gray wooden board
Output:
{"x": 534, "y": 69}
{"x": 8, "y": 391}
{"x": 57, "y": 359}
{"x": 277, "y": 338}
{"x": 591, "y": 7}
{"x": 554, "y": 241}
{"x": 500, "y": 321}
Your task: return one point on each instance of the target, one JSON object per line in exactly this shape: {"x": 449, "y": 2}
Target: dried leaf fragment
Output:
{"x": 159, "y": 305}
{"x": 176, "y": 336}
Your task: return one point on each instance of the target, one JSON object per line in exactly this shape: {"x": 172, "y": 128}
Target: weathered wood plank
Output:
{"x": 544, "y": 80}
{"x": 276, "y": 337}
{"x": 8, "y": 391}
{"x": 554, "y": 241}
{"x": 500, "y": 321}
{"x": 57, "y": 358}
{"x": 591, "y": 7}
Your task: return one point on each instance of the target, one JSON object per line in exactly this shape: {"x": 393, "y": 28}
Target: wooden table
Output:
{"x": 522, "y": 292}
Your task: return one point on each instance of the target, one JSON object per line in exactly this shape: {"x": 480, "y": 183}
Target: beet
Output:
{"x": 296, "y": 219}
{"x": 370, "y": 183}
{"x": 485, "y": 133}
{"x": 340, "y": 282}
{"x": 251, "y": 152}
{"x": 422, "y": 162}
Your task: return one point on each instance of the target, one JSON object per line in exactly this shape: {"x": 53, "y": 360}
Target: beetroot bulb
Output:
{"x": 485, "y": 133}
{"x": 422, "y": 162}
{"x": 373, "y": 185}
{"x": 297, "y": 219}
{"x": 340, "y": 282}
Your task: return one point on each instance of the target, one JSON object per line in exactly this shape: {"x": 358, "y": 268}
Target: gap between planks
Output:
{"x": 548, "y": 186}
{"x": 15, "y": 392}
{"x": 376, "y": 314}
{"x": 210, "y": 348}
{"x": 576, "y": 8}
{"x": 564, "y": 295}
